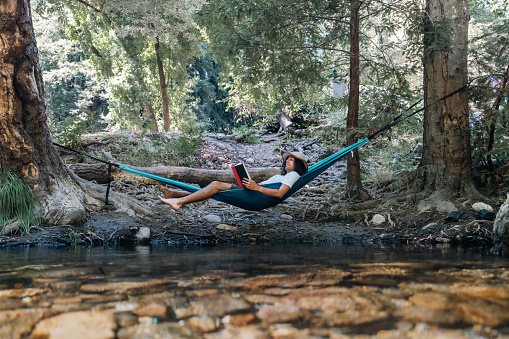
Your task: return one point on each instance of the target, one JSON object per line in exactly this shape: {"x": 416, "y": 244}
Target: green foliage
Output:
{"x": 72, "y": 128}
{"x": 280, "y": 54}
{"x": 211, "y": 107}
{"x": 247, "y": 134}
{"x": 489, "y": 52}
{"x": 497, "y": 8}
{"x": 71, "y": 85}
{"x": 16, "y": 201}
{"x": 152, "y": 149}
{"x": 437, "y": 36}
{"x": 130, "y": 43}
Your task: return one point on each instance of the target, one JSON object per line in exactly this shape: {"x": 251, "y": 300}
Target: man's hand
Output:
{"x": 250, "y": 184}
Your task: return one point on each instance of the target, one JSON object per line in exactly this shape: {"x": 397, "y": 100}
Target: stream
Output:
{"x": 253, "y": 291}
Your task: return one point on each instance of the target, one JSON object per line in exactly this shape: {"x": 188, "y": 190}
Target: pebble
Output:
{"x": 11, "y": 228}
{"x": 221, "y": 305}
{"x": 378, "y": 219}
{"x": 143, "y": 235}
{"x": 212, "y": 218}
{"x": 239, "y": 319}
{"x": 251, "y": 332}
{"x": 482, "y": 206}
{"x": 226, "y": 227}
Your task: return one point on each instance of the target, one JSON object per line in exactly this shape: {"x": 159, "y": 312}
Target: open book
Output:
{"x": 240, "y": 173}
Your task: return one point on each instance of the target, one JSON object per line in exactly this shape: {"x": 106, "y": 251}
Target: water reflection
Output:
{"x": 252, "y": 260}
{"x": 265, "y": 291}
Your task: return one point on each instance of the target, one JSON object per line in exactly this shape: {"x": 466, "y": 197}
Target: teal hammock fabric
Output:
{"x": 254, "y": 200}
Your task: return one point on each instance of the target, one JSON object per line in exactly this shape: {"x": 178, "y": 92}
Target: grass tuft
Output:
{"x": 16, "y": 201}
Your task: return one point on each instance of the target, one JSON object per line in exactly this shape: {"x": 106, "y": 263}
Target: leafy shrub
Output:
{"x": 247, "y": 134}
{"x": 72, "y": 128}
{"x": 151, "y": 149}
{"x": 16, "y": 201}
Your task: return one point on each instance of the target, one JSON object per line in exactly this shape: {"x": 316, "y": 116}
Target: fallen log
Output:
{"x": 201, "y": 177}
{"x": 92, "y": 172}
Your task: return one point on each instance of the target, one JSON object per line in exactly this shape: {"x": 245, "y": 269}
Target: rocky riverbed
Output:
{"x": 120, "y": 295}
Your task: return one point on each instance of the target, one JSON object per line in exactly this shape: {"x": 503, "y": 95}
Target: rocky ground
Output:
{"x": 317, "y": 213}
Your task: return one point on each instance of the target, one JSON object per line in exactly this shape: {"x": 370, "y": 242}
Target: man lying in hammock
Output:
{"x": 294, "y": 165}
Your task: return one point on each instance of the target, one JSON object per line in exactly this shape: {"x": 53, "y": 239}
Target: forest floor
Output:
{"x": 318, "y": 213}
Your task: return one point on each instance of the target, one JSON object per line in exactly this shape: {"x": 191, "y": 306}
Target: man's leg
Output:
{"x": 203, "y": 194}
{"x": 168, "y": 194}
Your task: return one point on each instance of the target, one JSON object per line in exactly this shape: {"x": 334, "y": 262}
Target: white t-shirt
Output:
{"x": 288, "y": 179}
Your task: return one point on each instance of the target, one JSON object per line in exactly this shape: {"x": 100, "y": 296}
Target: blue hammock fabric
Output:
{"x": 254, "y": 200}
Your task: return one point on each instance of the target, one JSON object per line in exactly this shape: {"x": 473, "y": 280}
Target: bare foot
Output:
{"x": 167, "y": 193}
{"x": 173, "y": 203}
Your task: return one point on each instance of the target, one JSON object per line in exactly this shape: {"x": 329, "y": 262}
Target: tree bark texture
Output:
{"x": 25, "y": 145}
{"x": 353, "y": 169}
{"x": 151, "y": 117}
{"x": 164, "y": 88}
{"x": 446, "y": 159}
{"x": 92, "y": 172}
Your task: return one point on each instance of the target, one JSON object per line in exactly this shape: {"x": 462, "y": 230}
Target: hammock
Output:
{"x": 254, "y": 200}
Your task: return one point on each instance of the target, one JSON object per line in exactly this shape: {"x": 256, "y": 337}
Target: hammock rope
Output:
{"x": 254, "y": 200}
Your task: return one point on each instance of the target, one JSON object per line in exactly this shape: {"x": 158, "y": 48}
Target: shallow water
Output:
{"x": 290, "y": 291}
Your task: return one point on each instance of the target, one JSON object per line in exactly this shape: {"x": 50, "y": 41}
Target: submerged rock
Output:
{"x": 217, "y": 306}
{"x": 77, "y": 325}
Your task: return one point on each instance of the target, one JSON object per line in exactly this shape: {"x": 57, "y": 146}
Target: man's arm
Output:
{"x": 278, "y": 193}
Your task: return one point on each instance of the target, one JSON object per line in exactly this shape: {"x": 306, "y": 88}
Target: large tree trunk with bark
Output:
{"x": 354, "y": 187}
{"x": 446, "y": 159}
{"x": 25, "y": 145}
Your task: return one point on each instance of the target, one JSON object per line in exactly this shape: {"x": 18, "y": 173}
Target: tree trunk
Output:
{"x": 151, "y": 117}
{"x": 446, "y": 159}
{"x": 354, "y": 187}
{"x": 164, "y": 88}
{"x": 25, "y": 145}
